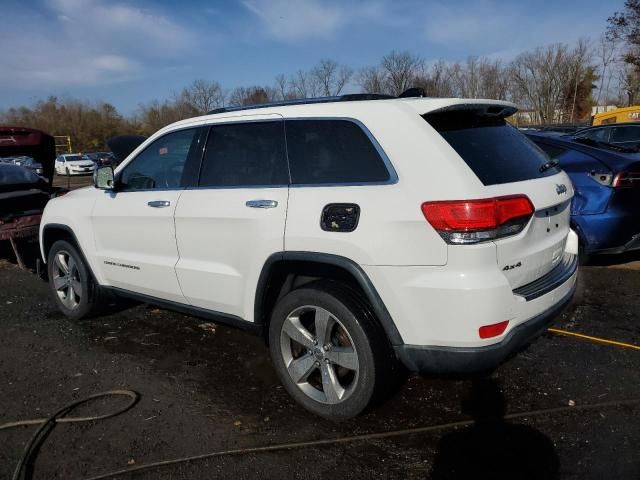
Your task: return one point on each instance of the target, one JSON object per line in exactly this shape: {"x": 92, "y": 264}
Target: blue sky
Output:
{"x": 131, "y": 52}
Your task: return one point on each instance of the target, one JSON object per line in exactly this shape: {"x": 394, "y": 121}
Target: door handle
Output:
{"x": 159, "y": 203}
{"x": 262, "y": 204}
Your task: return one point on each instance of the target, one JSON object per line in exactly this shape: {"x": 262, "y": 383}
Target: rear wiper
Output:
{"x": 548, "y": 165}
{"x": 611, "y": 146}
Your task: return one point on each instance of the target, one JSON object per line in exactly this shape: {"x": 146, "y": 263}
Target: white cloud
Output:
{"x": 290, "y": 20}
{"x": 85, "y": 43}
{"x": 113, "y": 63}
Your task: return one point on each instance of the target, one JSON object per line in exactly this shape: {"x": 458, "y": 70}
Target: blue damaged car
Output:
{"x": 605, "y": 211}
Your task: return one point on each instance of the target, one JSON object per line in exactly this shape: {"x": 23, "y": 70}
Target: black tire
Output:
{"x": 350, "y": 314}
{"x": 77, "y": 305}
{"x": 584, "y": 258}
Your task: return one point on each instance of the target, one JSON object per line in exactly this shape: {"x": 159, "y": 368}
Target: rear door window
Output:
{"x": 245, "y": 155}
{"x": 333, "y": 152}
{"x": 494, "y": 150}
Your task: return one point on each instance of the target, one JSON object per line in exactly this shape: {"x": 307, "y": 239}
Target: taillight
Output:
{"x": 463, "y": 222}
{"x": 626, "y": 179}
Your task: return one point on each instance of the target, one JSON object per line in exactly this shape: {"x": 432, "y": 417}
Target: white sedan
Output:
{"x": 74, "y": 164}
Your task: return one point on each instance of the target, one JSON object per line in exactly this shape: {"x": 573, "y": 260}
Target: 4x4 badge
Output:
{"x": 561, "y": 189}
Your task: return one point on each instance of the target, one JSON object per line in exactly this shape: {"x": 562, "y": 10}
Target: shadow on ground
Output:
{"x": 493, "y": 447}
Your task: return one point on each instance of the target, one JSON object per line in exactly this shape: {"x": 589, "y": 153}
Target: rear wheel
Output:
{"x": 327, "y": 351}
{"x": 75, "y": 292}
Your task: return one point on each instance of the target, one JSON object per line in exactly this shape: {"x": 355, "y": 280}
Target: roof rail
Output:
{"x": 352, "y": 97}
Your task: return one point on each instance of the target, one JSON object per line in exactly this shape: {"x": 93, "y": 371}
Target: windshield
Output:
{"x": 495, "y": 151}
{"x": 74, "y": 158}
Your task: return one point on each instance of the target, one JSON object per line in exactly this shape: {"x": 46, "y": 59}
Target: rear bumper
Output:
{"x": 460, "y": 360}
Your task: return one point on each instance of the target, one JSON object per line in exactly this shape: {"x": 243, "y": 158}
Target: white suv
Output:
{"x": 355, "y": 235}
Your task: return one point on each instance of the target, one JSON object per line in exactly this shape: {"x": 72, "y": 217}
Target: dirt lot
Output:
{"x": 206, "y": 389}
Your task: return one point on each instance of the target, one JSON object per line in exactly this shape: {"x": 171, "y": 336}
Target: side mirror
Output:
{"x": 103, "y": 178}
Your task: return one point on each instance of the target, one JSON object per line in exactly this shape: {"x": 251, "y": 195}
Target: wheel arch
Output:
{"x": 285, "y": 271}
{"x": 52, "y": 232}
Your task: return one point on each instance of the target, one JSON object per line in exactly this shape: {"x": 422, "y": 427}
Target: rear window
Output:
{"x": 494, "y": 150}
{"x": 332, "y": 152}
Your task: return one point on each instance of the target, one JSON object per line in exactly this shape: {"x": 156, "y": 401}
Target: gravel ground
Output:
{"x": 208, "y": 388}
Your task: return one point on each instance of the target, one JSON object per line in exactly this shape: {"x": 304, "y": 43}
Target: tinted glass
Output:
{"x": 245, "y": 154}
{"x": 332, "y": 151}
{"x": 74, "y": 158}
{"x": 551, "y": 150}
{"x": 625, "y": 134}
{"x": 14, "y": 175}
{"x": 161, "y": 164}
{"x": 495, "y": 151}
{"x": 598, "y": 134}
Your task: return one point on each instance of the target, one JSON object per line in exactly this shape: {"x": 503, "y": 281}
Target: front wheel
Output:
{"x": 74, "y": 291}
{"x": 328, "y": 351}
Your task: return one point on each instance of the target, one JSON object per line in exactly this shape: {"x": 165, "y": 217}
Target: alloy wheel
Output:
{"x": 66, "y": 280}
{"x": 319, "y": 354}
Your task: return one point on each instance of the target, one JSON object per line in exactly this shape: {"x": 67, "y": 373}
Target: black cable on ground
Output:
{"x": 47, "y": 424}
{"x": 358, "y": 438}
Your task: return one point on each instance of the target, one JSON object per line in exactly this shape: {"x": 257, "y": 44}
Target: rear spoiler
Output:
{"x": 494, "y": 110}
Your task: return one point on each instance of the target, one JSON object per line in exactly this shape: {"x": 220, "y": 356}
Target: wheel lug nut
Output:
{"x": 315, "y": 342}
{"x": 317, "y": 364}
{"x": 326, "y": 348}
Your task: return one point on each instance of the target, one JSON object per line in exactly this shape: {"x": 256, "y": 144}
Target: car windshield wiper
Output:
{"x": 548, "y": 165}
{"x": 611, "y": 146}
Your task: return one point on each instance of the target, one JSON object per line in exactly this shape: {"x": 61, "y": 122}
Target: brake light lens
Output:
{"x": 626, "y": 179}
{"x": 473, "y": 221}
{"x": 489, "y": 331}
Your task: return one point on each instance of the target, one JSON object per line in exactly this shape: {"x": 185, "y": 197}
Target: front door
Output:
{"x": 133, "y": 226}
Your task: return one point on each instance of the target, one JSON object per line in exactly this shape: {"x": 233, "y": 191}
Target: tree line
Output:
{"x": 552, "y": 84}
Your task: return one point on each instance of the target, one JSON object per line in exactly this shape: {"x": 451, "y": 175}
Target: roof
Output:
{"x": 344, "y": 107}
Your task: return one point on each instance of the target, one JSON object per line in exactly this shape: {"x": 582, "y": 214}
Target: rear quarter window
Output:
{"x": 332, "y": 152}
{"x": 494, "y": 150}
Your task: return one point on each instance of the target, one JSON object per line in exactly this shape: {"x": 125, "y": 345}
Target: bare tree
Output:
{"x": 371, "y": 80}
{"x": 203, "y": 96}
{"x": 304, "y": 84}
{"x": 251, "y": 95}
{"x": 283, "y": 88}
{"x": 607, "y": 52}
{"x": 436, "y": 80}
{"x": 400, "y": 70}
{"x": 538, "y": 80}
{"x": 331, "y": 77}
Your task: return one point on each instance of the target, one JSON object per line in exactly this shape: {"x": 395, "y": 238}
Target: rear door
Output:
{"x": 508, "y": 163}
{"x": 229, "y": 225}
